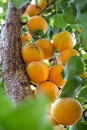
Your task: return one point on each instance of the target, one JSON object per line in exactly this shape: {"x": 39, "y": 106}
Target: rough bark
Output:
{"x": 13, "y": 69}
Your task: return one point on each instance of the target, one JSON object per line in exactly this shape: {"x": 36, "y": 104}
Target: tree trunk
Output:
{"x": 13, "y": 69}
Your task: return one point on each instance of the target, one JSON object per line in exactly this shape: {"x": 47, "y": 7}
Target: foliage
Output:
{"x": 19, "y": 3}
{"x": 3, "y": 9}
{"x": 79, "y": 126}
{"x": 30, "y": 115}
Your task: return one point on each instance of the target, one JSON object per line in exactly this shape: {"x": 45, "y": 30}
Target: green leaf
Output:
{"x": 78, "y": 126}
{"x": 74, "y": 66}
{"x": 80, "y": 4}
{"x": 85, "y": 81}
{"x": 84, "y": 121}
{"x": 29, "y": 116}
{"x": 84, "y": 39}
{"x": 57, "y": 21}
{"x": 83, "y": 93}
{"x": 81, "y": 17}
{"x": 69, "y": 14}
{"x": 19, "y": 3}
{"x": 72, "y": 87}
{"x": 2, "y": 89}
{"x": 6, "y": 106}
{"x": 24, "y": 19}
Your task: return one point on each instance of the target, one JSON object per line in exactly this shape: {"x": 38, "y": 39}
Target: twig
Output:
{"x": 47, "y": 6}
{"x": 84, "y": 112}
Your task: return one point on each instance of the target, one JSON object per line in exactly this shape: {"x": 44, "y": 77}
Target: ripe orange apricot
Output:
{"x": 67, "y": 111}
{"x": 36, "y": 23}
{"x": 37, "y": 71}
{"x": 62, "y": 41}
{"x": 43, "y": 3}
{"x": 31, "y": 52}
{"x": 64, "y": 56}
{"x": 25, "y": 37}
{"x": 33, "y": 9}
{"x": 46, "y": 46}
{"x": 50, "y": 89}
{"x": 55, "y": 75}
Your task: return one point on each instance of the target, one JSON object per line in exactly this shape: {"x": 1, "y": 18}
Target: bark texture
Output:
{"x": 13, "y": 69}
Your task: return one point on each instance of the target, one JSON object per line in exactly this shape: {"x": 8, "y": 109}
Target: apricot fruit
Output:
{"x": 62, "y": 41}
{"x": 31, "y": 52}
{"x": 37, "y": 71}
{"x": 55, "y": 75}
{"x": 33, "y": 9}
{"x": 37, "y": 23}
{"x": 50, "y": 89}
{"x": 46, "y": 46}
{"x": 64, "y": 56}
{"x": 67, "y": 111}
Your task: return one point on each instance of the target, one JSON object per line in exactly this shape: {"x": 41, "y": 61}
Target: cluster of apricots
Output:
{"x": 36, "y": 9}
{"x": 49, "y": 80}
